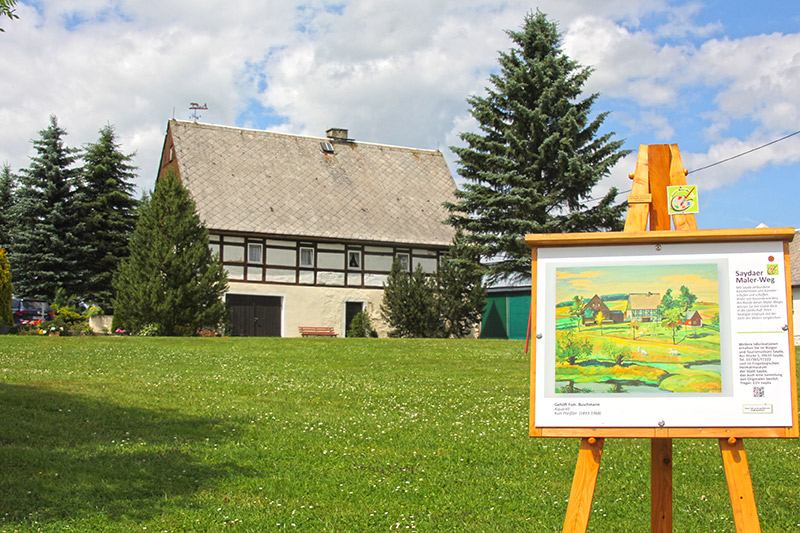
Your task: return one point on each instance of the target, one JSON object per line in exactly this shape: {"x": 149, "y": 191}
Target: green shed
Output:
{"x": 506, "y": 313}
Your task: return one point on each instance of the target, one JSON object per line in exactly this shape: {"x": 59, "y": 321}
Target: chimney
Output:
{"x": 337, "y": 134}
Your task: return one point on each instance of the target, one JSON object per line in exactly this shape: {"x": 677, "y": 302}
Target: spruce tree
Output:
{"x": 532, "y": 167}
{"x": 170, "y": 283}
{"x": 460, "y": 292}
{"x": 108, "y": 212}
{"x": 409, "y": 305}
{"x": 47, "y": 250}
{"x": 7, "y": 181}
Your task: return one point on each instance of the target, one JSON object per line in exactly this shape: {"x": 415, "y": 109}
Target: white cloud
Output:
{"x": 389, "y": 72}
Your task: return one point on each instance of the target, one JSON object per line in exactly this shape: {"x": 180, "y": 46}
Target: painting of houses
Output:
{"x": 641, "y": 344}
{"x": 643, "y": 307}
{"x": 308, "y": 227}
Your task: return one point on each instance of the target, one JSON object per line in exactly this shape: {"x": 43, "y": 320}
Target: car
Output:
{"x": 27, "y": 310}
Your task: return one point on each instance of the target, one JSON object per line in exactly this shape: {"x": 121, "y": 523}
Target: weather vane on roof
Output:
{"x": 195, "y": 107}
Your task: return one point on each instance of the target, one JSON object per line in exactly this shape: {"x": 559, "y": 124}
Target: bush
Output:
{"x": 68, "y": 321}
{"x": 6, "y": 319}
{"x": 361, "y": 326}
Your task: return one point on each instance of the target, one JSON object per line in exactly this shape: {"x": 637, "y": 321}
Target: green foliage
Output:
{"x": 460, "y": 293}
{"x": 108, "y": 212}
{"x": 7, "y": 182}
{"x": 170, "y": 280}
{"x": 538, "y": 156}
{"x": 6, "y": 318}
{"x": 409, "y": 305}
{"x": 69, "y": 320}
{"x": 570, "y": 347}
{"x": 673, "y": 319}
{"x": 361, "y": 326}
{"x": 446, "y": 304}
{"x": 48, "y": 250}
{"x": 577, "y": 309}
{"x": 685, "y": 299}
{"x": 7, "y": 9}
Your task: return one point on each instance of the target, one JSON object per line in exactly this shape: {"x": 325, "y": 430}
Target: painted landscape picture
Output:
{"x": 638, "y": 329}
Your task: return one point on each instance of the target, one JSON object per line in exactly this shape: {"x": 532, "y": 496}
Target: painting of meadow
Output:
{"x": 650, "y": 329}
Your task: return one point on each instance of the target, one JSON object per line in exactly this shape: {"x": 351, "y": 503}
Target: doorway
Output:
{"x": 351, "y": 309}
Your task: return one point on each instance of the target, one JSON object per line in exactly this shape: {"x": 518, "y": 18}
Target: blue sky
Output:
{"x": 717, "y": 78}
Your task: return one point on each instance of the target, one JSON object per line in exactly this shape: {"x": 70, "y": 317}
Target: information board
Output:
{"x": 678, "y": 332}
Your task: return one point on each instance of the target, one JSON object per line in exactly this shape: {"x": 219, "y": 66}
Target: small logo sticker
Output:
{"x": 682, "y": 199}
{"x": 772, "y": 270}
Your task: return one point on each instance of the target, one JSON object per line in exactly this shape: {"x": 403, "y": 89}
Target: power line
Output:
{"x": 720, "y": 161}
{"x": 745, "y": 153}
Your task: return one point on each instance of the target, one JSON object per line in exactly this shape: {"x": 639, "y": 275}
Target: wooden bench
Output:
{"x": 308, "y": 331}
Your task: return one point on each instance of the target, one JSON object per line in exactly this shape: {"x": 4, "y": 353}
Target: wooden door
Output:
{"x": 255, "y": 316}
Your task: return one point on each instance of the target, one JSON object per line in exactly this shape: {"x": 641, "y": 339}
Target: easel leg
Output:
{"x": 740, "y": 486}
{"x": 661, "y": 485}
{"x": 583, "y": 483}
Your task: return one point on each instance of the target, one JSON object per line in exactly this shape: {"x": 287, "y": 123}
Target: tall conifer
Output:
{"x": 47, "y": 251}
{"x": 171, "y": 283}
{"x": 7, "y": 180}
{"x": 532, "y": 167}
{"x": 108, "y": 212}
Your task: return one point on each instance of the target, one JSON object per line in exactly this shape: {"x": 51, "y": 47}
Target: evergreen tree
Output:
{"x": 409, "y": 305}
{"x": 108, "y": 212}
{"x": 460, "y": 292}
{"x": 7, "y": 181}
{"x": 538, "y": 156}
{"x": 6, "y": 318}
{"x": 46, "y": 247}
{"x": 170, "y": 282}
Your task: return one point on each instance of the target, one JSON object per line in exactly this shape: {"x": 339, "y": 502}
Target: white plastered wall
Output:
{"x": 316, "y": 306}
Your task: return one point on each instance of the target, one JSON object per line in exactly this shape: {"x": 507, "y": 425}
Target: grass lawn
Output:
{"x": 158, "y": 434}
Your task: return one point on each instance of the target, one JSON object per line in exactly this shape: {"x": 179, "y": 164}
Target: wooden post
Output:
{"x": 740, "y": 485}
{"x": 583, "y": 484}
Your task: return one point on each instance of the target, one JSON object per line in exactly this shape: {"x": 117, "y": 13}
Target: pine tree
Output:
{"x": 7, "y": 181}
{"x": 409, "y": 305}
{"x": 460, "y": 292}
{"x": 6, "y": 319}
{"x": 170, "y": 282}
{"x": 46, "y": 247}
{"x": 108, "y": 211}
{"x": 538, "y": 156}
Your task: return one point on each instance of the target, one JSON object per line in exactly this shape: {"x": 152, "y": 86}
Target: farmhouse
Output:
{"x": 596, "y": 305}
{"x": 308, "y": 227}
{"x": 693, "y": 319}
{"x": 643, "y": 307}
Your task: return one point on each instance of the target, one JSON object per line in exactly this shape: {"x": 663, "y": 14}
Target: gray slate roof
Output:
{"x": 279, "y": 184}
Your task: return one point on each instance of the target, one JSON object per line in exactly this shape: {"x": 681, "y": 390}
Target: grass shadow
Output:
{"x": 64, "y": 456}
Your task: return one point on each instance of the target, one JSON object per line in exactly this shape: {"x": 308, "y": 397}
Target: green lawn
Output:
{"x": 156, "y": 434}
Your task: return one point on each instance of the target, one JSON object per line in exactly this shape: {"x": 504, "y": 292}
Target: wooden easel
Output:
{"x": 657, "y": 167}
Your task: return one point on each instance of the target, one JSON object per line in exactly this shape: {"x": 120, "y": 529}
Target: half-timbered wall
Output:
{"x": 307, "y": 262}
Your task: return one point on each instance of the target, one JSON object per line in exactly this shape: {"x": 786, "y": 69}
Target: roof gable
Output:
{"x": 279, "y": 184}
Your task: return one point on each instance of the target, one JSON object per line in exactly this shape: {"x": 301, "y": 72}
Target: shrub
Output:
{"x": 6, "y": 319}
{"x": 361, "y": 326}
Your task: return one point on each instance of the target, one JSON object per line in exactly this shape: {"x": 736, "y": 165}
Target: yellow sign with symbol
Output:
{"x": 682, "y": 199}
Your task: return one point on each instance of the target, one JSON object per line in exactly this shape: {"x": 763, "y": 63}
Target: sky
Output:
{"x": 588, "y": 281}
{"x": 717, "y": 78}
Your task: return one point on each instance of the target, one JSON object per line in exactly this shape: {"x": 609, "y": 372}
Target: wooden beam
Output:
{"x": 677, "y": 176}
{"x": 638, "y": 211}
{"x": 740, "y": 486}
{"x": 583, "y": 484}
{"x": 658, "y": 160}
